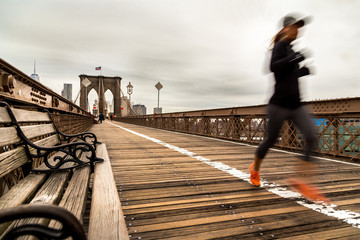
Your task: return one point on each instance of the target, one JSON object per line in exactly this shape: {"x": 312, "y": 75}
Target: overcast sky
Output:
{"x": 206, "y": 53}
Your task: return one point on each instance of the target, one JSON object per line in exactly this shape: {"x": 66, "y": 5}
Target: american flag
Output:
{"x": 98, "y": 68}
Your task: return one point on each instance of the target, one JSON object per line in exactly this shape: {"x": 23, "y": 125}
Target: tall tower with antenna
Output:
{"x": 34, "y": 75}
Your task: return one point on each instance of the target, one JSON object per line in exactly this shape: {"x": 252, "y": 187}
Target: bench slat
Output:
{"x": 106, "y": 216}
{"x": 49, "y": 193}
{"x": 4, "y": 115}
{"x": 22, "y": 115}
{"x": 75, "y": 196}
{"x": 32, "y": 131}
{"x": 11, "y": 160}
{"x": 8, "y": 136}
{"x": 46, "y": 142}
{"x": 51, "y": 190}
{"x": 20, "y": 193}
{"x": 27, "y": 186}
{"x": 17, "y": 157}
{"x": 23, "y": 190}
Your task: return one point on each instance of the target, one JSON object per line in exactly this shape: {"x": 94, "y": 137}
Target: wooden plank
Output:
{"x": 17, "y": 157}
{"x": 187, "y": 201}
{"x": 4, "y": 115}
{"x": 215, "y": 216}
{"x": 207, "y": 220}
{"x": 326, "y": 234}
{"x": 52, "y": 189}
{"x": 75, "y": 196}
{"x": 32, "y": 131}
{"x": 106, "y": 217}
{"x": 49, "y": 193}
{"x": 11, "y": 160}
{"x": 22, "y": 115}
{"x": 183, "y": 208}
{"x": 20, "y": 193}
{"x": 8, "y": 136}
{"x": 169, "y": 195}
{"x": 45, "y": 142}
{"x": 250, "y": 230}
{"x": 205, "y": 204}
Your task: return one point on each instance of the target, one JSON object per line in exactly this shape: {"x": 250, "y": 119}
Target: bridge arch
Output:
{"x": 101, "y": 84}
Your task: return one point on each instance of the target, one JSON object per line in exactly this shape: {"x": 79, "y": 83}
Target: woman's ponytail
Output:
{"x": 277, "y": 37}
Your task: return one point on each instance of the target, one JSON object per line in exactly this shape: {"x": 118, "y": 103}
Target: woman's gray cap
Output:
{"x": 292, "y": 19}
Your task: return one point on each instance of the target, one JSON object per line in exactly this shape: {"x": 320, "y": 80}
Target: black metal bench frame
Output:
{"x": 71, "y": 149}
{"x": 70, "y": 224}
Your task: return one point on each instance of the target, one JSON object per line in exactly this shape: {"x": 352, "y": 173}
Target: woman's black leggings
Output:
{"x": 302, "y": 120}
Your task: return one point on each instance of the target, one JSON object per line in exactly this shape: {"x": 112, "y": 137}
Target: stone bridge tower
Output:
{"x": 101, "y": 84}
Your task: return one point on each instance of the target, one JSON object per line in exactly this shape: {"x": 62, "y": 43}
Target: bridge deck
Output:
{"x": 177, "y": 186}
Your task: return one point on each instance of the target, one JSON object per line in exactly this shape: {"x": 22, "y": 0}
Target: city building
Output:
{"x": 34, "y": 75}
{"x": 139, "y": 109}
{"x": 67, "y": 91}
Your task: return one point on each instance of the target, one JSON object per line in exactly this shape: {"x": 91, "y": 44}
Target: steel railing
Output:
{"x": 336, "y": 123}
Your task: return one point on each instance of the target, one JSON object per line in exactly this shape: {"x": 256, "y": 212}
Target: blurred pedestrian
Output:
{"x": 285, "y": 104}
{"x": 101, "y": 117}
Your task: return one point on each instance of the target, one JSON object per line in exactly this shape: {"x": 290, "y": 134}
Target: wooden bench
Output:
{"x": 58, "y": 188}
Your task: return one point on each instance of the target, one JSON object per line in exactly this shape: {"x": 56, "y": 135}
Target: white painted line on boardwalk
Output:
{"x": 347, "y": 216}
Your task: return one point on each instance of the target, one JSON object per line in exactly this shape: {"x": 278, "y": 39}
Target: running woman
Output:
{"x": 285, "y": 104}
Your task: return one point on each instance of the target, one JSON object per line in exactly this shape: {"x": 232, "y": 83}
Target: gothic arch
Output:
{"x": 101, "y": 84}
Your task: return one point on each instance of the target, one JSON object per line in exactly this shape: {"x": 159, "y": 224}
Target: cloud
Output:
{"x": 207, "y": 54}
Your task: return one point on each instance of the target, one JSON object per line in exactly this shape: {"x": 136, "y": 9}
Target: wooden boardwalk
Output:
{"x": 198, "y": 191}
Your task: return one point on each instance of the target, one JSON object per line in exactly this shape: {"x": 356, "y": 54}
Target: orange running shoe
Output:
{"x": 255, "y": 176}
{"x": 310, "y": 192}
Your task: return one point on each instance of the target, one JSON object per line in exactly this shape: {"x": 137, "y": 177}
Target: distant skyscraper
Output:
{"x": 34, "y": 75}
{"x": 67, "y": 91}
{"x": 140, "y": 109}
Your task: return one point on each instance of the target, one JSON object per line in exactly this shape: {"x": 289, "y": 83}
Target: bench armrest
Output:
{"x": 72, "y": 154}
{"x": 68, "y": 137}
{"x": 83, "y": 136}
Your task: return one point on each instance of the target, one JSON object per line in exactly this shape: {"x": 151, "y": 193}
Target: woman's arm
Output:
{"x": 280, "y": 58}
{"x": 304, "y": 71}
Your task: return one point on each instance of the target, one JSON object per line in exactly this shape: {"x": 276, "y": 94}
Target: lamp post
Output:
{"x": 130, "y": 90}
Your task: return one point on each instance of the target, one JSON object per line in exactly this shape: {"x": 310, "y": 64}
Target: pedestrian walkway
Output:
{"x": 178, "y": 186}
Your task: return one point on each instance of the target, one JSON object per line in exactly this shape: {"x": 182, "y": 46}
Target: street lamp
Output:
{"x": 130, "y": 90}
